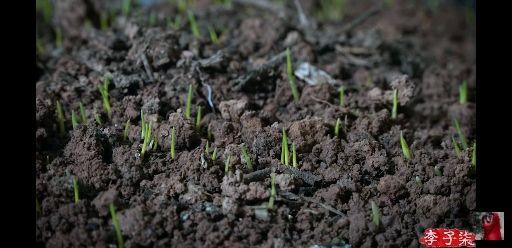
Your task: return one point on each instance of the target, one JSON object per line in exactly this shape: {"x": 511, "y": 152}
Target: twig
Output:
{"x": 149, "y": 72}
{"x": 305, "y": 176}
{"x": 322, "y": 101}
{"x": 360, "y": 19}
{"x": 291, "y": 195}
{"x": 302, "y": 17}
{"x": 275, "y": 61}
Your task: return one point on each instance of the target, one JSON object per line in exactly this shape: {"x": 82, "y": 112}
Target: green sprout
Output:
{"x": 337, "y": 128}
{"x": 226, "y": 165}
{"x": 193, "y": 25}
{"x": 45, "y": 6}
{"x": 173, "y": 143}
{"x": 60, "y": 118}
{"x": 104, "y": 21}
{"x": 285, "y": 154}
{"x": 395, "y": 104}
{"x": 294, "y": 156}
{"x": 473, "y": 156}
{"x": 58, "y": 38}
{"x": 214, "y": 154}
{"x": 103, "y": 88}
{"x": 456, "y": 147}
{"x": 83, "y": 114}
{"x": 117, "y": 227}
{"x": 463, "y": 92}
{"x": 126, "y": 7}
{"x": 75, "y": 189}
{"x": 332, "y": 9}
{"x": 126, "y": 129}
{"x": 405, "y": 147}
{"x": 174, "y": 24}
{"x": 247, "y": 158}
{"x": 97, "y": 118}
{"x": 291, "y": 77}
{"x": 213, "y": 36}
{"x": 74, "y": 119}
{"x": 182, "y": 6}
{"x": 147, "y": 142}
{"x": 198, "y": 118}
{"x": 462, "y": 137}
{"x": 375, "y": 214}
{"x": 418, "y": 181}
{"x": 342, "y": 96}
{"x": 437, "y": 171}
{"x": 207, "y": 148}
{"x": 189, "y": 102}
{"x": 272, "y": 191}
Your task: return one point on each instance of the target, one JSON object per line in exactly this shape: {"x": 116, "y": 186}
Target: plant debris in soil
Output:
{"x": 350, "y": 184}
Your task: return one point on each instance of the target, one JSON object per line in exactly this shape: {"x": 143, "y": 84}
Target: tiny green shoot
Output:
{"x": 60, "y": 118}
{"x": 198, "y": 118}
{"x": 473, "y": 155}
{"x": 294, "y": 156}
{"x": 103, "y": 88}
{"x": 74, "y": 119}
{"x": 207, "y": 148}
{"x": 103, "y": 21}
{"x": 462, "y": 137}
{"x": 247, "y": 158}
{"x": 375, "y": 214}
{"x": 193, "y": 25}
{"x": 58, "y": 38}
{"x": 83, "y": 114}
{"x": 405, "y": 147}
{"x": 75, "y": 189}
{"x": 126, "y": 129}
{"x": 342, "y": 96}
{"x": 97, "y": 118}
{"x": 173, "y": 143}
{"x": 127, "y": 5}
{"x": 117, "y": 227}
{"x": 213, "y": 35}
{"x": 273, "y": 192}
{"x": 456, "y": 147}
{"x": 337, "y": 128}
{"x": 189, "y": 102}
{"x": 463, "y": 92}
{"x": 395, "y": 104}
{"x": 226, "y": 165}
{"x": 214, "y": 154}
{"x": 174, "y": 24}
{"x": 291, "y": 77}
{"x": 45, "y": 6}
{"x": 147, "y": 139}
{"x": 285, "y": 153}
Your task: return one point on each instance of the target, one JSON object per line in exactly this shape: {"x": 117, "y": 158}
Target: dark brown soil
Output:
{"x": 423, "y": 52}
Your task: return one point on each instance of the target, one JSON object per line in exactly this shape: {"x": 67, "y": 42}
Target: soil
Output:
{"x": 423, "y": 52}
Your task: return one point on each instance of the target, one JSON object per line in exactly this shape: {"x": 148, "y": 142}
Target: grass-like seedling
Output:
{"x": 405, "y": 147}
{"x": 207, "y": 148}
{"x": 394, "y": 110}
{"x": 285, "y": 154}
{"x": 247, "y": 158}
{"x": 198, "y": 118}
{"x": 104, "y": 21}
{"x": 97, "y": 118}
{"x": 75, "y": 189}
{"x": 337, "y": 128}
{"x": 226, "y": 165}
{"x": 294, "y": 156}
{"x": 462, "y": 137}
{"x": 473, "y": 155}
{"x": 83, "y": 115}
{"x": 117, "y": 227}
{"x": 174, "y": 24}
{"x": 375, "y": 214}
{"x": 59, "y": 40}
{"x": 193, "y": 25}
{"x": 214, "y": 154}
{"x": 188, "y": 105}
{"x": 126, "y": 129}
{"x": 273, "y": 192}
{"x": 291, "y": 77}
{"x": 463, "y": 92}
{"x": 213, "y": 35}
{"x": 342, "y": 96}
{"x": 456, "y": 147}
{"x": 147, "y": 142}
{"x": 126, "y": 7}
{"x": 45, "y": 6}
{"x": 60, "y": 118}
{"x": 182, "y": 6}
{"x": 103, "y": 88}
{"x": 74, "y": 119}
{"x": 173, "y": 143}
